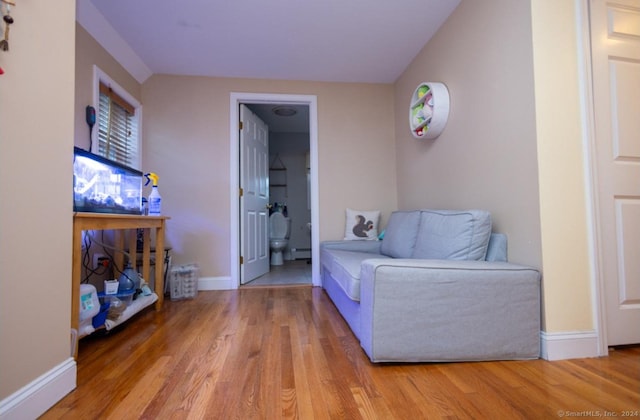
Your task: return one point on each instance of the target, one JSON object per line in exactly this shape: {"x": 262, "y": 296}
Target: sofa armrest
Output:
{"x": 372, "y": 247}
{"x": 437, "y": 310}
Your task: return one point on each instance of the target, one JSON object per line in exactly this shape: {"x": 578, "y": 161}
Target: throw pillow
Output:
{"x": 401, "y": 233}
{"x": 361, "y": 225}
{"x": 453, "y": 235}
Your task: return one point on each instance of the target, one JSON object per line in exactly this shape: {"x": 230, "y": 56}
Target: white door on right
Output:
{"x": 615, "y": 38}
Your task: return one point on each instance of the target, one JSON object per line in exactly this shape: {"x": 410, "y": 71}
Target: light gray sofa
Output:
{"x": 437, "y": 288}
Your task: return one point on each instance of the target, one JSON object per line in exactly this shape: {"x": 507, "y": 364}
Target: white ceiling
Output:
{"x": 371, "y": 41}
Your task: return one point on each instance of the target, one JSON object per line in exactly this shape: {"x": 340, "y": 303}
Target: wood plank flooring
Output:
{"x": 286, "y": 353}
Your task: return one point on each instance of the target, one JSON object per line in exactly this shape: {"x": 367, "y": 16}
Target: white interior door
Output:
{"x": 615, "y": 39}
{"x": 254, "y": 198}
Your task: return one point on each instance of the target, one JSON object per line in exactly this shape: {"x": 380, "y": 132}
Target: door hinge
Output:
{"x": 241, "y": 260}
{"x": 241, "y": 192}
{"x": 241, "y": 125}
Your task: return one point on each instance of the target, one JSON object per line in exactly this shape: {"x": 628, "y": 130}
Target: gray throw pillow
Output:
{"x": 453, "y": 235}
{"x": 400, "y": 234}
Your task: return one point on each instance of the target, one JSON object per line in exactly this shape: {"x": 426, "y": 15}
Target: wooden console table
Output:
{"x": 118, "y": 223}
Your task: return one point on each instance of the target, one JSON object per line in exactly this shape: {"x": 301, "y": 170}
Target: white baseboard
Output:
{"x": 215, "y": 283}
{"x": 33, "y": 399}
{"x": 569, "y": 345}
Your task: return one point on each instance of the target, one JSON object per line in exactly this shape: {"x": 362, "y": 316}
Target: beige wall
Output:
{"x": 36, "y": 137}
{"x": 186, "y": 142}
{"x": 567, "y": 274}
{"x": 88, "y": 54}
{"x": 486, "y": 156}
{"x": 513, "y": 143}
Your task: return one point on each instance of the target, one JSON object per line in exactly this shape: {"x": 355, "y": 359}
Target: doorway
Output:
{"x": 288, "y": 170}
{"x": 272, "y": 100}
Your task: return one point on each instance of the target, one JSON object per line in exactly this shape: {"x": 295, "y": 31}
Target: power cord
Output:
{"x": 89, "y": 239}
{"x": 105, "y": 248}
{"x": 86, "y": 263}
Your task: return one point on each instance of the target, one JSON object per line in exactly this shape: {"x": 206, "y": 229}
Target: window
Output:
{"x": 117, "y": 121}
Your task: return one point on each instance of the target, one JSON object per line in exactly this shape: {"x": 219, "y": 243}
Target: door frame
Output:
{"x": 587, "y": 105}
{"x": 235, "y": 99}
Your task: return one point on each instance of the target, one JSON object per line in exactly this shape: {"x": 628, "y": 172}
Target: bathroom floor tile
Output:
{"x": 291, "y": 272}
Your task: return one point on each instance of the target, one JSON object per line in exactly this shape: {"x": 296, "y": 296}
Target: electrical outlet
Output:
{"x": 98, "y": 259}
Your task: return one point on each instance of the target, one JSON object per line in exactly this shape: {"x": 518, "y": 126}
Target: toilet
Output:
{"x": 279, "y": 229}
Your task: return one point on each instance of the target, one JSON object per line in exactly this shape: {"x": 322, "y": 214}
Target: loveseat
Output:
{"x": 436, "y": 288}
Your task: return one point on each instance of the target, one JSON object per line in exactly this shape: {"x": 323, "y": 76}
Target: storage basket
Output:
{"x": 183, "y": 281}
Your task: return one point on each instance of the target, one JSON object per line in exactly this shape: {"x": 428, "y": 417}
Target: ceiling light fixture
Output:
{"x": 284, "y": 111}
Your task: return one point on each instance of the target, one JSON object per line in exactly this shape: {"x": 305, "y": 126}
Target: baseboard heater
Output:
{"x": 301, "y": 253}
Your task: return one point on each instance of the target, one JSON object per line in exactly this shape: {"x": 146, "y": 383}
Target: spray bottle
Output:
{"x": 155, "y": 201}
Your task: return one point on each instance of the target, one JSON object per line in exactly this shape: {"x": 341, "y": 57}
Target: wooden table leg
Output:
{"x": 118, "y": 257}
{"x": 159, "y": 274}
{"x": 146, "y": 255}
{"x": 133, "y": 250}
{"x": 75, "y": 284}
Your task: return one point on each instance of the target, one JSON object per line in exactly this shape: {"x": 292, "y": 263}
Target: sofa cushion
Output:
{"x": 400, "y": 234}
{"x": 345, "y": 268}
{"x": 453, "y": 235}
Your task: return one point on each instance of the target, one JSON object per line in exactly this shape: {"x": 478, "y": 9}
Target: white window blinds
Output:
{"x": 117, "y": 128}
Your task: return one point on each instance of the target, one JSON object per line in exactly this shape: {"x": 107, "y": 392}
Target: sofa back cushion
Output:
{"x": 452, "y": 235}
{"x": 400, "y": 234}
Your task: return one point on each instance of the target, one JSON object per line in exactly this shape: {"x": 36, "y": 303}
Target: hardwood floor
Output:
{"x": 271, "y": 353}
